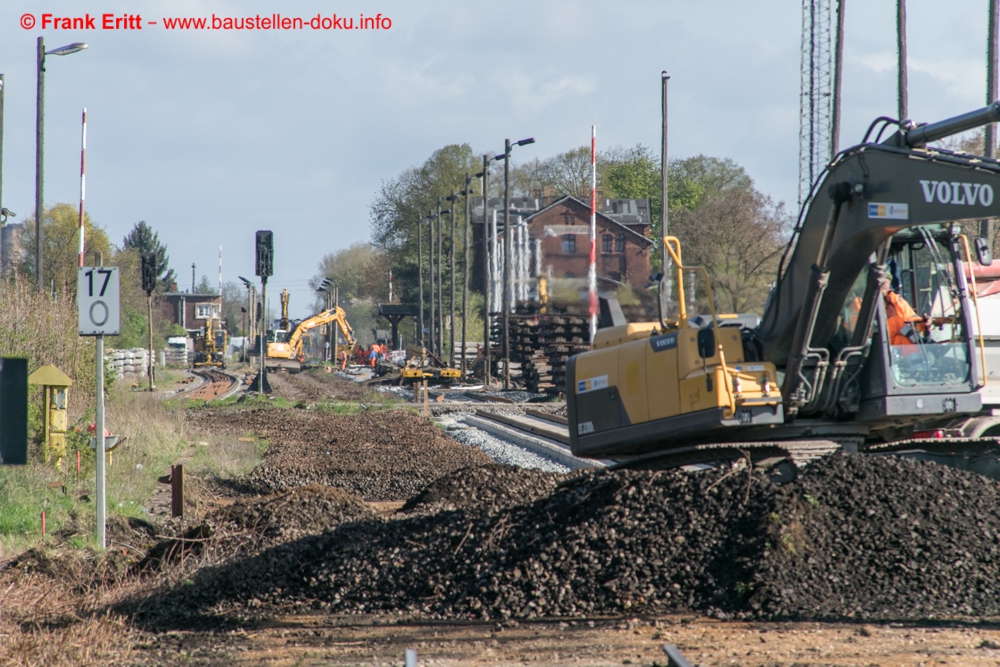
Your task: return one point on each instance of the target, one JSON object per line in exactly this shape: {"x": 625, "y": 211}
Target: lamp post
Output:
{"x": 332, "y": 292}
{"x": 39, "y": 142}
{"x": 420, "y": 278}
{"x": 451, "y": 329}
{"x": 322, "y": 289}
{"x": 486, "y": 268}
{"x": 250, "y": 330}
{"x": 439, "y": 341}
{"x": 430, "y": 272}
{"x": 465, "y": 274}
{"x": 507, "y": 249}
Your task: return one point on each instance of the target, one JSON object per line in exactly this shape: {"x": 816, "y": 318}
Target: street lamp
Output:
{"x": 451, "y": 330}
{"x": 420, "y": 277}
{"x": 251, "y": 307}
{"x": 440, "y": 280}
{"x": 332, "y": 291}
{"x": 465, "y": 276}
{"x": 432, "y": 334}
{"x": 507, "y": 252}
{"x": 39, "y": 142}
{"x": 487, "y": 272}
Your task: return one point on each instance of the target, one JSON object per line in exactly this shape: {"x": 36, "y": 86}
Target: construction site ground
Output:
{"x": 401, "y": 455}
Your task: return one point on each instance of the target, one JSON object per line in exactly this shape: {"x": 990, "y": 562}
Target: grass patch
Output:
{"x": 155, "y": 437}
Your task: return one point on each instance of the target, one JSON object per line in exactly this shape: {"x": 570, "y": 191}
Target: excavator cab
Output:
{"x": 922, "y": 349}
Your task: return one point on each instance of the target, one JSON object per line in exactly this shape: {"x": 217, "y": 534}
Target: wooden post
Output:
{"x": 177, "y": 490}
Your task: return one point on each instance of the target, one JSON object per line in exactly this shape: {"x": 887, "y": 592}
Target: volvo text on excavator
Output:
{"x": 835, "y": 362}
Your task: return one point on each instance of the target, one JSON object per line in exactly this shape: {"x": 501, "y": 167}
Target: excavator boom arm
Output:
{"x": 334, "y": 315}
{"x": 871, "y": 192}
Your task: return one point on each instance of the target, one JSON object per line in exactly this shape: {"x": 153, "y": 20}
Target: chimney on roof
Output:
{"x": 173, "y": 287}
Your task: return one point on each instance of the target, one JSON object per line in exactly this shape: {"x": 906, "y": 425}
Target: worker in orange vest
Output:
{"x": 906, "y": 328}
{"x": 343, "y": 359}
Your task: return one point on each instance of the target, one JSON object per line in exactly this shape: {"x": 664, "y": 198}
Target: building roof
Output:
{"x": 614, "y": 224}
{"x": 628, "y": 211}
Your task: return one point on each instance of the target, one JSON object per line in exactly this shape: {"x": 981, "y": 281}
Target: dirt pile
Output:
{"x": 382, "y": 455}
{"x": 248, "y": 526}
{"x": 487, "y": 487}
{"x": 316, "y": 386}
{"x": 854, "y": 537}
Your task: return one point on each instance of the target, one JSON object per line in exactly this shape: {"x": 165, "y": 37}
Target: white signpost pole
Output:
{"x": 97, "y": 297}
{"x": 101, "y": 486}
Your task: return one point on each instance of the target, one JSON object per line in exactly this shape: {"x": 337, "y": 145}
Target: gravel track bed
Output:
{"x": 382, "y": 455}
{"x": 855, "y": 537}
{"x": 498, "y": 449}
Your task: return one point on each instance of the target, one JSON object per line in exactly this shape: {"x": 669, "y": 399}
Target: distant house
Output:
{"x": 564, "y": 230}
{"x": 189, "y": 310}
{"x": 561, "y": 233}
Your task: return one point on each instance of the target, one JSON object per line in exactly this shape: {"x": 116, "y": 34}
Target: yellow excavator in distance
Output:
{"x": 210, "y": 346}
{"x": 289, "y": 355}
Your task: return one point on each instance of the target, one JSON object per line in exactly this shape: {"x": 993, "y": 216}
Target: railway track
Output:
{"x": 543, "y": 434}
{"x": 216, "y": 384}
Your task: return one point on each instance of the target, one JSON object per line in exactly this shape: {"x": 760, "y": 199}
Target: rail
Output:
{"x": 216, "y": 385}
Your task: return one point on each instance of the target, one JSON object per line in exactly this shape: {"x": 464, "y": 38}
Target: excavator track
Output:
{"x": 764, "y": 453}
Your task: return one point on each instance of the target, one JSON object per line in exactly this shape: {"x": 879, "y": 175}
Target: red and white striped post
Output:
{"x": 592, "y": 272}
{"x": 83, "y": 182}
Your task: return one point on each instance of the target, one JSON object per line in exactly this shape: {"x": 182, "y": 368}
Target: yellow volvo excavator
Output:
{"x": 826, "y": 367}
{"x": 288, "y": 354}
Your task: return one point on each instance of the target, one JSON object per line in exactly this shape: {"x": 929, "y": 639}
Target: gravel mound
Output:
{"x": 854, "y": 537}
{"x": 488, "y": 487}
{"x": 882, "y": 538}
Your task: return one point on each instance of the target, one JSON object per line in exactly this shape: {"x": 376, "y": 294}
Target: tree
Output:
{"x": 567, "y": 173}
{"x": 60, "y": 243}
{"x": 205, "y": 287}
{"x": 234, "y": 302}
{"x": 634, "y": 173}
{"x": 737, "y": 234}
{"x": 402, "y": 202}
{"x": 145, "y": 240}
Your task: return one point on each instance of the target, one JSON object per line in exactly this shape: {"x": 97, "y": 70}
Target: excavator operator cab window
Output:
{"x": 921, "y": 314}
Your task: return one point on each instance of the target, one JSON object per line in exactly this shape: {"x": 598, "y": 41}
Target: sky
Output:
{"x": 209, "y": 135}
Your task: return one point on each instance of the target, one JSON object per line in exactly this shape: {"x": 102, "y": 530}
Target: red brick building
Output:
{"x": 564, "y": 230}
{"x": 189, "y": 310}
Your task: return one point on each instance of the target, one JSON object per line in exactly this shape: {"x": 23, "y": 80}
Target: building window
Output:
{"x": 205, "y": 311}
{"x": 619, "y": 243}
{"x": 569, "y": 244}
{"x": 606, "y": 243}
{"x": 569, "y": 220}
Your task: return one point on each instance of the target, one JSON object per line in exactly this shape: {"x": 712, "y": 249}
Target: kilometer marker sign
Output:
{"x": 97, "y": 297}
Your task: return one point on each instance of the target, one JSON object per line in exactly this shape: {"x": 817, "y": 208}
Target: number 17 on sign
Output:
{"x": 97, "y": 289}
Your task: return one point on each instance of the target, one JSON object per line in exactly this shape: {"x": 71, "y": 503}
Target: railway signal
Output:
{"x": 265, "y": 254}
{"x": 264, "y": 267}
{"x": 148, "y": 285}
